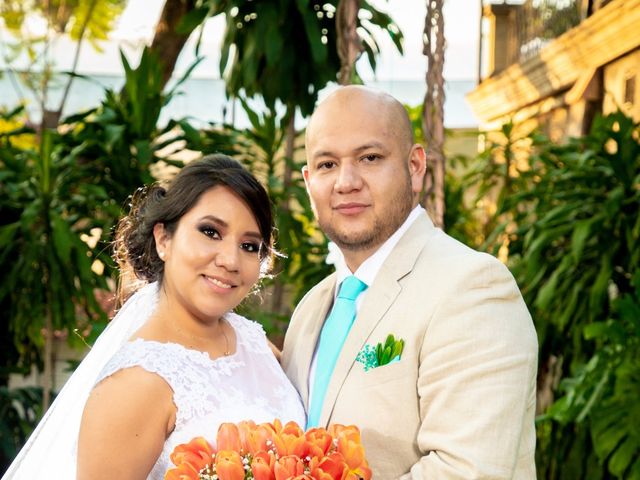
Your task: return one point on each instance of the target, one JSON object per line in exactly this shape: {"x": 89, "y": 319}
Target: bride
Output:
{"x": 175, "y": 362}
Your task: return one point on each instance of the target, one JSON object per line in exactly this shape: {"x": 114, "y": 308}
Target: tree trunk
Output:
{"x": 284, "y": 208}
{"x": 167, "y": 42}
{"x": 47, "y": 380}
{"x": 289, "y": 149}
{"x": 54, "y": 117}
{"x": 433, "y": 112}
{"x": 348, "y": 41}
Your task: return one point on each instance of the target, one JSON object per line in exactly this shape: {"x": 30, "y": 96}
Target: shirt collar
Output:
{"x": 369, "y": 269}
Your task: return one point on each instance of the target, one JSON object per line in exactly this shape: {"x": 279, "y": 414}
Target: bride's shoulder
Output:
{"x": 132, "y": 378}
{"x": 249, "y": 332}
{"x": 151, "y": 357}
{"x": 244, "y": 324}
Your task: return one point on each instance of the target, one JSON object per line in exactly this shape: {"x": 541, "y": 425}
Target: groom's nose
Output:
{"x": 348, "y": 177}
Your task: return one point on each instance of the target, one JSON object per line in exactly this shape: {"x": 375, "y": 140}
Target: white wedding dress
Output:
{"x": 248, "y": 385}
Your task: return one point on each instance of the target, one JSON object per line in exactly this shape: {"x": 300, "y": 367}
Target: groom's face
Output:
{"x": 360, "y": 172}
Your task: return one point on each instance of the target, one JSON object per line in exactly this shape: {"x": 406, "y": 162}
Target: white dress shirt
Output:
{"x": 366, "y": 273}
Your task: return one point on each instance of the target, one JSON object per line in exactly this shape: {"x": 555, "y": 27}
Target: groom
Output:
{"x": 456, "y": 399}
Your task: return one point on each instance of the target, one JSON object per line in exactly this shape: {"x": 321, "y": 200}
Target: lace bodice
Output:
{"x": 248, "y": 385}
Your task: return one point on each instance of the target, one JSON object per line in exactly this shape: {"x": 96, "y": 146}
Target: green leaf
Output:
{"x": 310, "y": 22}
{"x": 606, "y": 441}
{"x": 621, "y": 459}
{"x": 635, "y": 470}
{"x": 580, "y": 235}
{"x": 390, "y": 340}
{"x": 595, "y": 330}
{"x": 62, "y": 238}
{"x": 192, "y": 19}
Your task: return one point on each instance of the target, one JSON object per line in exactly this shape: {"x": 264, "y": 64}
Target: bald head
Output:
{"x": 366, "y": 103}
{"x": 364, "y": 174}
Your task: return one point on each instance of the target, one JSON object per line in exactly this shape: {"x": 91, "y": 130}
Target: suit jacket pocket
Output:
{"x": 380, "y": 375}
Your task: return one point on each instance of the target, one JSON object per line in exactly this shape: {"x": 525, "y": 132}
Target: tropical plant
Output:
{"x": 565, "y": 218}
{"x": 286, "y": 51}
{"x": 20, "y": 410}
{"x": 570, "y": 223}
{"x": 576, "y": 212}
{"x": 494, "y": 176}
{"x": 120, "y": 140}
{"x": 602, "y": 396}
{"x": 48, "y": 279}
{"x": 462, "y": 221}
{"x": 90, "y": 20}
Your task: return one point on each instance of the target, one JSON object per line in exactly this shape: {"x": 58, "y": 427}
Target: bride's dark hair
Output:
{"x": 135, "y": 247}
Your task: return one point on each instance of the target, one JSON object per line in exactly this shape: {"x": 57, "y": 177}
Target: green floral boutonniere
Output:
{"x": 381, "y": 354}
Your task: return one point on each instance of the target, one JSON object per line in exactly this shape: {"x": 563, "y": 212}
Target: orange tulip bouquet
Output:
{"x": 272, "y": 451}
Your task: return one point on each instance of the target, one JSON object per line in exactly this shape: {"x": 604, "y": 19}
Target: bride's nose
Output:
{"x": 227, "y": 255}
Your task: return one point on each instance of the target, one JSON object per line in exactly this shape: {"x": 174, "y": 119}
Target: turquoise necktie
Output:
{"x": 334, "y": 333}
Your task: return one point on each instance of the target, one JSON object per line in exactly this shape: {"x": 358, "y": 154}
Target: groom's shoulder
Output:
{"x": 448, "y": 258}
{"x": 318, "y": 291}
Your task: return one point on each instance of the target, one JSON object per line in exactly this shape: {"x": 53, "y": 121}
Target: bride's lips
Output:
{"x": 351, "y": 208}
{"x": 219, "y": 283}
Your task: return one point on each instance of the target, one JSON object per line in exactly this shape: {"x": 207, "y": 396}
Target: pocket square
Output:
{"x": 382, "y": 354}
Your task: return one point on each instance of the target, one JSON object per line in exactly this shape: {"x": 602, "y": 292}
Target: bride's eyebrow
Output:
{"x": 214, "y": 219}
{"x": 254, "y": 235}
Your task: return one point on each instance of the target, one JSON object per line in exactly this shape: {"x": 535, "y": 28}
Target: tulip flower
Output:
{"x": 184, "y": 471}
{"x": 228, "y": 437}
{"x": 197, "y": 453}
{"x": 245, "y": 428}
{"x": 292, "y": 428}
{"x": 353, "y": 453}
{"x": 360, "y": 473}
{"x": 275, "y": 427}
{"x": 229, "y": 465}
{"x": 287, "y": 444}
{"x": 259, "y": 439}
{"x": 351, "y": 449}
{"x": 352, "y": 432}
{"x": 287, "y": 467}
{"x": 276, "y": 452}
{"x": 319, "y": 442}
{"x": 332, "y": 467}
{"x": 262, "y": 466}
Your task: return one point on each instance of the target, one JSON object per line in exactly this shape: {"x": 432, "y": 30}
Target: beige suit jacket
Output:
{"x": 460, "y": 402}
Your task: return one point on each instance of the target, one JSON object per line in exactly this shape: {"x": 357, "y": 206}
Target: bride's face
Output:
{"x": 212, "y": 260}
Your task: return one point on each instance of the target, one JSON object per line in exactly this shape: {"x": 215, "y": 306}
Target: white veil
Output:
{"x": 50, "y": 451}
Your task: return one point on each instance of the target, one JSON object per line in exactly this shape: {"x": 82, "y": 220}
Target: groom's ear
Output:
{"x": 305, "y": 175}
{"x": 162, "y": 239}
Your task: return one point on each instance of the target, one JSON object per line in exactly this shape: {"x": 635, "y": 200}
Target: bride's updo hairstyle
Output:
{"x": 135, "y": 246}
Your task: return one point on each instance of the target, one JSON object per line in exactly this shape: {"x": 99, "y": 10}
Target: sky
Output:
{"x": 137, "y": 23}
{"x": 403, "y": 76}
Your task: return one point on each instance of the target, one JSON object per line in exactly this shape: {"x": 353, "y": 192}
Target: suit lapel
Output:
{"x": 379, "y": 298}
{"x": 313, "y": 315}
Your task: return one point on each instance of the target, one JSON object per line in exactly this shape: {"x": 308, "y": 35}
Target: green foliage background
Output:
{"x": 568, "y": 217}
{"x": 564, "y": 216}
